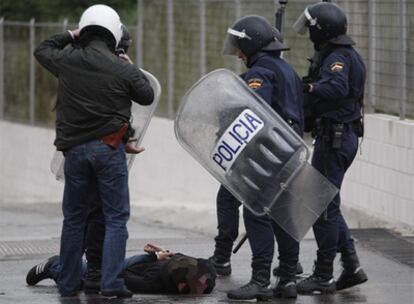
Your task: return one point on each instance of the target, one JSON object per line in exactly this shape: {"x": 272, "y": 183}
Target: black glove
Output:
{"x": 306, "y": 87}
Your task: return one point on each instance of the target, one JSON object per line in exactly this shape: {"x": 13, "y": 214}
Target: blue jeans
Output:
{"x": 95, "y": 230}
{"x": 87, "y": 164}
{"x": 331, "y": 231}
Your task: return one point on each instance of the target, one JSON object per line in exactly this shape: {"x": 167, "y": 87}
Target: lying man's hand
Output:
{"x": 152, "y": 248}
{"x": 164, "y": 255}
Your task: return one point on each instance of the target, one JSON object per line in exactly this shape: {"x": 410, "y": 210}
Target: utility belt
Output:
{"x": 295, "y": 126}
{"x": 331, "y": 131}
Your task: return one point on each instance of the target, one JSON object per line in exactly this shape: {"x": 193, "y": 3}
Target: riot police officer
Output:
{"x": 254, "y": 40}
{"x": 334, "y": 93}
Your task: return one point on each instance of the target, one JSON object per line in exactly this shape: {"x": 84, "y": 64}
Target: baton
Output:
{"x": 240, "y": 243}
{"x": 279, "y": 16}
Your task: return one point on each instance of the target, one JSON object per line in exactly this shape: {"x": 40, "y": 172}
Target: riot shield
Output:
{"x": 252, "y": 151}
{"x": 57, "y": 165}
{"x": 140, "y": 119}
{"x": 141, "y": 115}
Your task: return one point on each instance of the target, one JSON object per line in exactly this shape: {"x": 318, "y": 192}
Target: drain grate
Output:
{"x": 387, "y": 243}
{"x": 12, "y": 250}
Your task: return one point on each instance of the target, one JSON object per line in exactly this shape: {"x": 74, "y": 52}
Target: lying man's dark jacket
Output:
{"x": 153, "y": 276}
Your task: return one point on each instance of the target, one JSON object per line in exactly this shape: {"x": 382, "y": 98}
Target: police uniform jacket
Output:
{"x": 95, "y": 89}
{"x": 278, "y": 84}
{"x": 341, "y": 85}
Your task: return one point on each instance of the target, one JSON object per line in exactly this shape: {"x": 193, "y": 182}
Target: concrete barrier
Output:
{"x": 380, "y": 182}
{"x": 168, "y": 187}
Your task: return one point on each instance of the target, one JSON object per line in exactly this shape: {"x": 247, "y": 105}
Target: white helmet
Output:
{"x": 104, "y": 16}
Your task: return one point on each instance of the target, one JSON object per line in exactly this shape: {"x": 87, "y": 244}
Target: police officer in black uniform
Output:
{"x": 254, "y": 40}
{"x": 334, "y": 92}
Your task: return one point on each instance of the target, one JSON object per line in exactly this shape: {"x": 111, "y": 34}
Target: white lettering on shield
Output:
{"x": 235, "y": 139}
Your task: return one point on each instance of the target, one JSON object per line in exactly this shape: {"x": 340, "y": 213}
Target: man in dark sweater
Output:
{"x": 92, "y": 113}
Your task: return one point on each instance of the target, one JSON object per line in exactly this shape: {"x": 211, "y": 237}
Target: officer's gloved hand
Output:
{"x": 307, "y": 88}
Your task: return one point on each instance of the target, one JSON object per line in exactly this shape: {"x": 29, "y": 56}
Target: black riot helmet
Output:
{"x": 251, "y": 34}
{"x": 327, "y": 23}
{"x": 125, "y": 41}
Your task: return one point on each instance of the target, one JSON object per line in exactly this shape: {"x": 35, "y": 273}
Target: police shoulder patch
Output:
{"x": 337, "y": 66}
{"x": 255, "y": 83}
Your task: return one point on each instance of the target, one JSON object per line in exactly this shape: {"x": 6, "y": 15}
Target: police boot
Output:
{"x": 352, "y": 274}
{"x": 286, "y": 283}
{"x": 299, "y": 270}
{"x": 321, "y": 281}
{"x": 257, "y": 288}
{"x": 221, "y": 265}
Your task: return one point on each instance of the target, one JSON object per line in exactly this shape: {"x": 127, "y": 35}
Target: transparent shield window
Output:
{"x": 230, "y": 45}
{"x": 300, "y": 25}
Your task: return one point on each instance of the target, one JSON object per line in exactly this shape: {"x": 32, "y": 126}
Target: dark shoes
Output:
{"x": 285, "y": 289}
{"x": 92, "y": 281}
{"x": 250, "y": 291}
{"x": 316, "y": 284}
{"x": 222, "y": 267}
{"x": 91, "y": 287}
{"x": 118, "y": 294}
{"x": 352, "y": 274}
{"x": 299, "y": 270}
{"x": 348, "y": 279}
{"x": 40, "y": 271}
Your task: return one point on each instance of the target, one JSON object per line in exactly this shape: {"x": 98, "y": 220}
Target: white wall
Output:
{"x": 164, "y": 173}
{"x": 380, "y": 182}
{"x": 25, "y": 154}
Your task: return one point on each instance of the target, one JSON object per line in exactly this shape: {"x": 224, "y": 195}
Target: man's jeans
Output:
{"x": 84, "y": 164}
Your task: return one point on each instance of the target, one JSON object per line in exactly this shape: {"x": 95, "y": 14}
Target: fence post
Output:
{"x": 65, "y": 24}
{"x": 1, "y": 68}
{"x": 202, "y": 5}
{"x": 138, "y": 33}
{"x": 403, "y": 59}
{"x": 238, "y": 15}
{"x": 371, "y": 55}
{"x": 32, "y": 73}
{"x": 170, "y": 57}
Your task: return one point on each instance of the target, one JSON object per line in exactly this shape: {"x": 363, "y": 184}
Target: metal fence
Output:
{"x": 181, "y": 40}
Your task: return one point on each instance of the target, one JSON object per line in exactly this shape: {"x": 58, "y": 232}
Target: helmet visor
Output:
{"x": 230, "y": 44}
{"x": 303, "y": 22}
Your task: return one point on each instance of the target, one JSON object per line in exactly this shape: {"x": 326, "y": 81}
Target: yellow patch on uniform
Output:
{"x": 255, "y": 83}
{"x": 337, "y": 66}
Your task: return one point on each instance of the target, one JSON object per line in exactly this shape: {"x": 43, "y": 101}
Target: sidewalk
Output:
{"x": 30, "y": 233}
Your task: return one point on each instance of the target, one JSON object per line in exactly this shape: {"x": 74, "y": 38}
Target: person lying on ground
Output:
{"x": 157, "y": 271}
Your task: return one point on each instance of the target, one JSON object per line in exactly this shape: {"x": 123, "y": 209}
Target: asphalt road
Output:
{"x": 30, "y": 233}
